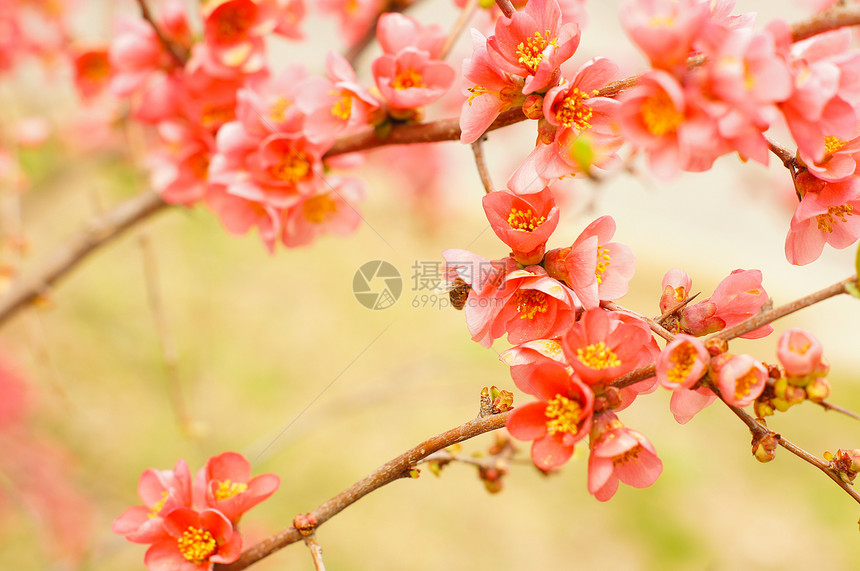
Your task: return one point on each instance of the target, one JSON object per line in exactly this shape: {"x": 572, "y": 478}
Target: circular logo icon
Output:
{"x": 377, "y": 285}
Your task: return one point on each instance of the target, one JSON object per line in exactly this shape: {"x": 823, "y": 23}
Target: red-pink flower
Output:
{"x": 825, "y": 216}
{"x": 238, "y": 215}
{"x": 135, "y": 54}
{"x": 411, "y": 79}
{"x": 685, "y": 403}
{"x": 492, "y": 92}
{"x": 523, "y": 222}
{"x": 664, "y": 29}
{"x": 799, "y": 352}
{"x": 162, "y": 491}
{"x": 682, "y": 363}
{"x": 737, "y": 298}
{"x": 179, "y": 170}
{"x": 355, "y": 16}
{"x": 230, "y": 488}
{"x": 332, "y": 211}
{"x": 533, "y": 43}
{"x": 266, "y": 105}
{"x": 196, "y": 540}
{"x": 92, "y": 72}
{"x": 233, "y": 36}
{"x": 839, "y": 162}
{"x": 740, "y": 378}
{"x": 535, "y": 306}
{"x": 601, "y": 346}
{"x": 531, "y": 353}
{"x": 594, "y": 268}
{"x": 394, "y": 32}
{"x": 676, "y": 287}
{"x": 558, "y": 420}
{"x": 619, "y": 454}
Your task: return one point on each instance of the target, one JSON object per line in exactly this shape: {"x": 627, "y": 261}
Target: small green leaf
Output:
{"x": 852, "y": 289}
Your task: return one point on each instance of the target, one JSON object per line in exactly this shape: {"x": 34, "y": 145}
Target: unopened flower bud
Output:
{"x": 533, "y": 106}
{"x": 764, "y": 449}
{"x": 305, "y": 523}
{"x": 716, "y": 346}
{"x": 763, "y": 408}
{"x": 818, "y": 389}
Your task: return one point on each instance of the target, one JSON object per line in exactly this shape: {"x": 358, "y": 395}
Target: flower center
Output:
{"x": 408, "y": 78}
{"x": 227, "y": 489}
{"x": 826, "y": 221}
{"x": 342, "y": 108}
{"x": 292, "y": 168}
{"x": 216, "y": 115}
{"x": 744, "y": 384}
{"x": 530, "y": 52}
{"x": 833, "y": 144}
{"x": 196, "y": 545}
{"x": 659, "y": 114}
{"x": 597, "y": 356}
{"x": 95, "y": 66}
{"x": 603, "y": 262}
{"x": 278, "y": 110}
{"x": 530, "y": 302}
{"x": 629, "y": 455}
{"x": 683, "y": 357}
{"x": 319, "y": 208}
{"x": 562, "y": 415}
{"x": 524, "y": 220}
{"x": 233, "y": 24}
{"x": 573, "y": 112}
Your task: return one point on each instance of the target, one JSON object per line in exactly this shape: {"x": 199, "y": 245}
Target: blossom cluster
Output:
{"x": 192, "y": 523}
{"x": 716, "y": 85}
{"x": 569, "y": 349}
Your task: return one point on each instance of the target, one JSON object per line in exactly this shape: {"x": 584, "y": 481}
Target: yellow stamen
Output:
{"x": 827, "y": 221}
{"x": 683, "y": 358}
{"x": 233, "y": 25}
{"x": 319, "y": 208}
{"x": 597, "y": 356}
{"x": 342, "y": 108}
{"x": 408, "y": 78}
{"x": 562, "y": 415}
{"x": 603, "y": 262}
{"x": 531, "y": 51}
{"x": 197, "y": 545}
{"x": 530, "y": 302}
{"x": 227, "y": 489}
{"x": 833, "y": 144}
{"x": 659, "y": 114}
{"x": 156, "y": 509}
{"x": 292, "y": 168}
{"x": 573, "y": 111}
{"x": 524, "y": 221}
{"x": 744, "y": 384}
{"x": 278, "y": 109}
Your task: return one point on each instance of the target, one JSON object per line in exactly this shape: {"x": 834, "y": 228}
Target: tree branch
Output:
{"x": 392, "y": 470}
{"x": 177, "y": 52}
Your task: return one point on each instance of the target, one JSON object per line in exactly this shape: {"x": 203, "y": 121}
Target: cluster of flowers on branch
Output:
{"x": 191, "y": 524}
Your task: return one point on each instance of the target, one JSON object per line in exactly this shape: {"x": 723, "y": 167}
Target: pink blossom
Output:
{"x": 524, "y": 223}
{"x": 602, "y": 346}
{"x": 355, "y": 16}
{"x": 737, "y": 298}
{"x": 740, "y": 378}
{"x": 196, "y": 540}
{"x": 578, "y": 119}
{"x": 135, "y": 55}
{"x": 682, "y": 363}
{"x": 289, "y": 16}
{"x": 238, "y": 215}
{"x": 411, "y": 79}
{"x": 799, "y": 352}
{"x": 335, "y": 106}
{"x": 162, "y": 491}
{"x": 266, "y": 105}
{"x": 92, "y": 72}
{"x": 233, "y": 36}
{"x": 531, "y": 353}
{"x": 179, "y": 170}
{"x": 619, "y": 454}
{"x": 535, "y": 306}
{"x": 533, "y": 43}
{"x": 685, "y": 403}
{"x": 558, "y": 420}
{"x": 824, "y": 216}
{"x": 492, "y": 92}
{"x": 230, "y": 488}
{"x": 664, "y": 29}
{"x": 395, "y": 32}
{"x": 332, "y": 211}
{"x": 594, "y": 268}
{"x": 839, "y": 162}
{"x": 669, "y": 125}
{"x": 676, "y": 288}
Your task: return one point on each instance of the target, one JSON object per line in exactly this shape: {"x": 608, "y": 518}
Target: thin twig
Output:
{"x": 460, "y": 25}
{"x": 483, "y": 171}
{"x": 392, "y": 470}
{"x": 177, "y": 52}
{"x": 506, "y": 7}
{"x": 836, "y": 17}
{"x": 783, "y": 153}
{"x": 836, "y": 408}
{"x": 316, "y": 552}
{"x": 653, "y": 324}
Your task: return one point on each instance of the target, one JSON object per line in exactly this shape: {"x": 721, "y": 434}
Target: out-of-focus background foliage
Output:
{"x": 276, "y": 359}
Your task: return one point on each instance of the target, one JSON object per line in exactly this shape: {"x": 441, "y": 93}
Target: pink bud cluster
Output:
{"x": 193, "y": 523}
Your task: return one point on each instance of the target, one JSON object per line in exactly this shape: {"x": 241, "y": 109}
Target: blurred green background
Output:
{"x": 258, "y": 338}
